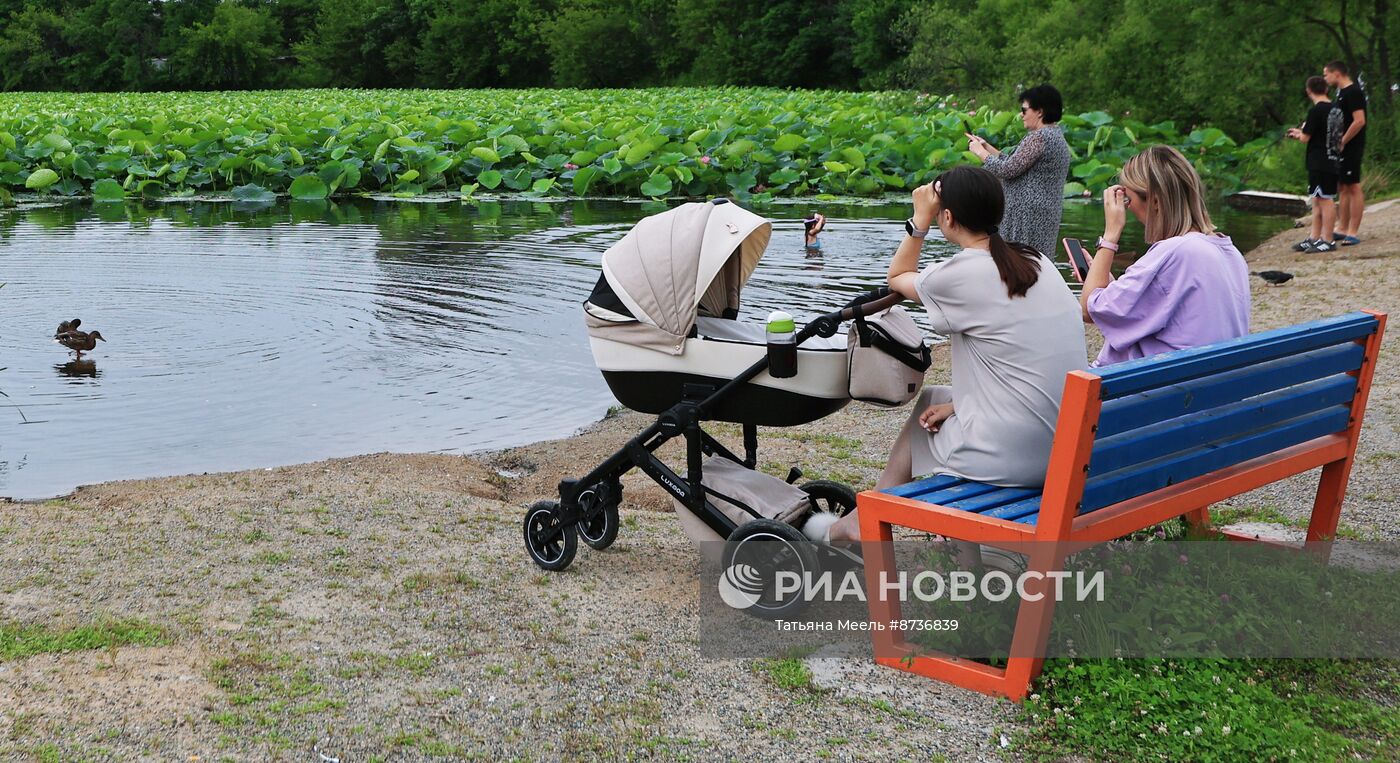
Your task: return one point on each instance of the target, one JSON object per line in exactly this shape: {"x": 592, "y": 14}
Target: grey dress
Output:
{"x": 1033, "y": 176}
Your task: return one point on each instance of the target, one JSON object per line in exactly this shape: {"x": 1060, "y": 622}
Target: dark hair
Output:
{"x": 1047, "y": 99}
{"x": 1339, "y": 67}
{"x": 1317, "y": 86}
{"x": 974, "y": 197}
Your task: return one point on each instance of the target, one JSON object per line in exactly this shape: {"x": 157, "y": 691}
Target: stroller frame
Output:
{"x": 588, "y": 505}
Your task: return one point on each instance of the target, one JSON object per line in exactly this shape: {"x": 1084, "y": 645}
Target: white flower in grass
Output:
{"x": 1225, "y": 730}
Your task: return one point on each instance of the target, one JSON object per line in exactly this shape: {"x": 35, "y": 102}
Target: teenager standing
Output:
{"x": 1351, "y": 99}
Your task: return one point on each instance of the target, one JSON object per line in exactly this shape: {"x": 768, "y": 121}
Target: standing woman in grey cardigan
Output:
{"x": 1033, "y": 175}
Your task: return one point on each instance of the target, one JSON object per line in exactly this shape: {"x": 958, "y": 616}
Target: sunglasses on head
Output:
{"x": 1024, "y": 109}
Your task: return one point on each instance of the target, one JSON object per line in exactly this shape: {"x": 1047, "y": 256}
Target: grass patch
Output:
{"x": 20, "y": 641}
{"x": 1215, "y": 710}
{"x": 789, "y": 673}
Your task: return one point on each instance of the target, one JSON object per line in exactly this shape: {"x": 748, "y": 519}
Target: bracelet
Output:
{"x": 1106, "y": 244}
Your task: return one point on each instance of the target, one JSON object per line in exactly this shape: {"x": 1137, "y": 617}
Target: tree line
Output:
{"x": 1235, "y": 65}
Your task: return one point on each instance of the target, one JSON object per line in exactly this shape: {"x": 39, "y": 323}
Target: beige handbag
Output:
{"x": 886, "y": 358}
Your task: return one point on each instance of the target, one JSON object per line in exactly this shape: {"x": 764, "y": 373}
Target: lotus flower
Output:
{"x": 705, "y": 159}
{"x": 570, "y": 166}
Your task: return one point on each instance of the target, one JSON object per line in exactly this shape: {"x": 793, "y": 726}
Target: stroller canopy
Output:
{"x": 671, "y": 266}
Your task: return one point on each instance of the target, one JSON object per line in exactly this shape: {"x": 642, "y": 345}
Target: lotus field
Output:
{"x": 747, "y": 142}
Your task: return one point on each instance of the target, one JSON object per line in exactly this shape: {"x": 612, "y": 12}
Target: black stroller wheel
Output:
{"x": 832, "y": 497}
{"x": 599, "y": 505}
{"x": 754, "y": 555}
{"x": 551, "y": 544}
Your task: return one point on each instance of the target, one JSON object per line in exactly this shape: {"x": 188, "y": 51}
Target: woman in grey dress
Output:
{"x": 1033, "y": 175}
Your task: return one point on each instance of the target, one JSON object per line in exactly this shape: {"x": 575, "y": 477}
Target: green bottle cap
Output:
{"x": 780, "y": 322}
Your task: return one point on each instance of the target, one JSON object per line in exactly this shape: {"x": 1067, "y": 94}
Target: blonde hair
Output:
{"x": 1176, "y": 202}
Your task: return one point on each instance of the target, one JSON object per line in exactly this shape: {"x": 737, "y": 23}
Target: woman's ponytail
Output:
{"x": 1018, "y": 264}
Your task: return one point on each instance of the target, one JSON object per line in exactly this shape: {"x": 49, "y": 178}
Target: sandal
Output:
{"x": 1349, "y": 240}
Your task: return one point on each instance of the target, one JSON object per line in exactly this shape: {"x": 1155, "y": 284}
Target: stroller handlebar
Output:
{"x": 869, "y": 303}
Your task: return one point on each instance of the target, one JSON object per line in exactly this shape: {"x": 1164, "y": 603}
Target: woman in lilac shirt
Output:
{"x": 1190, "y": 288}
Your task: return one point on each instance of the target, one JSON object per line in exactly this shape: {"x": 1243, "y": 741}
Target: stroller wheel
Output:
{"x": 755, "y": 554}
{"x": 550, "y": 544}
{"x": 599, "y": 506}
{"x": 832, "y": 497}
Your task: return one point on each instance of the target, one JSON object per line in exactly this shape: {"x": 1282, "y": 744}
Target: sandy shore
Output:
{"x": 383, "y": 606}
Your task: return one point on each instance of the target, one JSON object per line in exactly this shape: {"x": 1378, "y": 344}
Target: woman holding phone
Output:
{"x": 1033, "y": 175}
{"x": 1190, "y": 288}
{"x": 1015, "y": 332}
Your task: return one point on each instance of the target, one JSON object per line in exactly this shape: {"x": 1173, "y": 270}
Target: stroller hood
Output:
{"x": 671, "y": 266}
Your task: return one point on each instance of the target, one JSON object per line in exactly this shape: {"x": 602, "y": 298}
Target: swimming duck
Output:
{"x": 80, "y": 341}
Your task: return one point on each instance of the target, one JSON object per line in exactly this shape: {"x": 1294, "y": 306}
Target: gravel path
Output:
{"x": 382, "y": 607}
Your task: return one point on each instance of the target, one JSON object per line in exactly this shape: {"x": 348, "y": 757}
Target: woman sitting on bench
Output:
{"x": 1190, "y": 288}
{"x": 1015, "y": 332}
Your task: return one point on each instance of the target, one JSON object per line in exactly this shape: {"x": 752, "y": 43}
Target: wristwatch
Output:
{"x": 913, "y": 230}
{"x": 1104, "y": 243}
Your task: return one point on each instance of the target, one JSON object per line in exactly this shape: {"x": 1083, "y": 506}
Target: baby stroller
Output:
{"x": 663, "y": 330}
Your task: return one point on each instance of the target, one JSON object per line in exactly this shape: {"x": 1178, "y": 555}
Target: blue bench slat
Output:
{"x": 994, "y": 499}
{"x": 1170, "y": 368}
{"x": 1156, "y": 405}
{"x": 1015, "y": 511}
{"x": 1144, "y": 478}
{"x": 919, "y": 488}
{"x": 958, "y": 492}
{"x": 1219, "y": 423}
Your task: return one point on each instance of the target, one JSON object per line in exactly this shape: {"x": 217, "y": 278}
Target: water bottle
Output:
{"x": 782, "y": 345}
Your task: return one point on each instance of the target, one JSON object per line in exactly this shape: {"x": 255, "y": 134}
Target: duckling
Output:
{"x": 67, "y": 326}
{"x": 80, "y": 341}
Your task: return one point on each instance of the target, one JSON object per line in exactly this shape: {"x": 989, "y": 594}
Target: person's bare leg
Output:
{"x": 1324, "y": 218}
{"x": 899, "y": 469}
{"x": 1358, "y": 208}
{"x": 1343, "y": 209}
{"x": 1318, "y": 229}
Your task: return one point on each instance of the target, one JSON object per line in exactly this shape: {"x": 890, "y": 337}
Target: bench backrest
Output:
{"x": 1173, "y": 417}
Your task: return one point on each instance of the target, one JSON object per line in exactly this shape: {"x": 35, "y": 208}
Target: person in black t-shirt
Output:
{"x": 1322, "y": 132}
{"x": 1351, "y": 99}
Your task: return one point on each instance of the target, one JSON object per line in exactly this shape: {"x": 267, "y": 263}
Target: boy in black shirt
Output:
{"x": 1352, "y": 101}
{"x": 1322, "y": 132}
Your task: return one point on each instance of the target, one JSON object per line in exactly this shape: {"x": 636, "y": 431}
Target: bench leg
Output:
{"x": 1033, "y": 621}
{"x": 1198, "y": 521}
{"x": 877, "y": 547}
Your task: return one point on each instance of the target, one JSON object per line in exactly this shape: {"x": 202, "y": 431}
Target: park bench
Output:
{"x": 1137, "y": 444}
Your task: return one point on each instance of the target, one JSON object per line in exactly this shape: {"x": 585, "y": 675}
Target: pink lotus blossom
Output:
{"x": 760, "y": 188}
{"x": 570, "y": 166}
{"x": 1224, "y": 598}
{"x": 972, "y": 113}
{"x": 1182, "y": 559}
{"x": 705, "y": 159}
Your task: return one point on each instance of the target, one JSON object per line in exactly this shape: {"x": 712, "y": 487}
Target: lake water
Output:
{"x": 242, "y": 338}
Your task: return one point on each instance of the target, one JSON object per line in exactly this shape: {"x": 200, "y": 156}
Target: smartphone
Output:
{"x": 1078, "y": 258}
{"x": 809, "y": 223}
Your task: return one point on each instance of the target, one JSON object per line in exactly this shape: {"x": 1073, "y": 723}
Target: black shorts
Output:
{"x": 1351, "y": 164}
{"x": 1322, "y": 185}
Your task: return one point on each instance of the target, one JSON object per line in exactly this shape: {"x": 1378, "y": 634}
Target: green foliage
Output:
{"x": 747, "y": 142}
{"x": 20, "y": 641}
{"x": 1214, "y": 710}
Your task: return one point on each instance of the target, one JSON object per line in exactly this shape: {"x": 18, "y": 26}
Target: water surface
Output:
{"x": 251, "y": 337}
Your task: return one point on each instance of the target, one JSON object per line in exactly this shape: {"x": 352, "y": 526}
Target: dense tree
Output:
{"x": 1235, "y": 65}
{"x": 236, "y": 49}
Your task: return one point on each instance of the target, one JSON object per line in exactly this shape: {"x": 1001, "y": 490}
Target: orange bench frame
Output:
{"x": 1060, "y": 523}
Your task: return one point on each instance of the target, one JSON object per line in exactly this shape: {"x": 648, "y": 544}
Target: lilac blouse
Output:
{"x": 1186, "y": 291}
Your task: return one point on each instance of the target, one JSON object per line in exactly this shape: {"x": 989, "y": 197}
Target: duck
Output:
{"x": 66, "y": 326}
{"x": 80, "y": 341}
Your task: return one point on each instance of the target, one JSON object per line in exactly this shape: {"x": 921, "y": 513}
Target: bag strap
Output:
{"x": 919, "y": 359}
